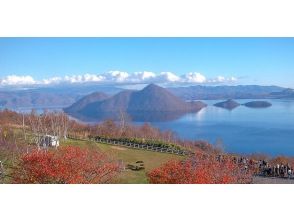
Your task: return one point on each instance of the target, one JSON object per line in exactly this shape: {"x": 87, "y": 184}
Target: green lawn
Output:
{"x": 128, "y": 156}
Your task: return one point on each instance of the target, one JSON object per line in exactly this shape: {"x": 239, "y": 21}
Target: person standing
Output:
{"x": 289, "y": 173}
{"x": 1, "y": 169}
{"x": 278, "y": 169}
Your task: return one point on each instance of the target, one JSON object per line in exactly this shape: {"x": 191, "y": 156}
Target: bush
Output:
{"x": 155, "y": 143}
{"x": 200, "y": 169}
{"x": 65, "y": 165}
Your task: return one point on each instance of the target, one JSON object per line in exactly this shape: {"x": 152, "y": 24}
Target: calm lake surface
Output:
{"x": 242, "y": 130}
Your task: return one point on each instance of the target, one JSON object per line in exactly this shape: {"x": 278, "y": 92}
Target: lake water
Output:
{"x": 242, "y": 130}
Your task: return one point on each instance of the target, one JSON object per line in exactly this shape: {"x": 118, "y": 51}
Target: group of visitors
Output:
{"x": 277, "y": 170}
{"x": 262, "y": 167}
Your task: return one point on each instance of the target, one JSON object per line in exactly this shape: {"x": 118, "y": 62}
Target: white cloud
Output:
{"x": 195, "y": 78}
{"x": 52, "y": 80}
{"x": 83, "y": 78}
{"x": 143, "y": 76}
{"x": 120, "y": 77}
{"x": 169, "y": 77}
{"x": 17, "y": 80}
{"x": 93, "y": 78}
{"x": 221, "y": 79}
{"x": 233, "y": 79}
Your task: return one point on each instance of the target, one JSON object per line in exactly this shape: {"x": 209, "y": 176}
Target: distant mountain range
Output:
{"x": 152, "y": 102}
{"x": 284, "y": 94}
{"x": 64, "y": 96}
{"x": 32, "y": 98}
{"x": 226, "y": 92}
{"x": 47, "y": 97}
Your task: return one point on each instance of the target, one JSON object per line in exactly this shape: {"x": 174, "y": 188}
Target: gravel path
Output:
{"x": 271, "y": 180}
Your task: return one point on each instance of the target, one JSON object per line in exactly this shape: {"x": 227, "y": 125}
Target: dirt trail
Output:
{"x": 118, "y": 148}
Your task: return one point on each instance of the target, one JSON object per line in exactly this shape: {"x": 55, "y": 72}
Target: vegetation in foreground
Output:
{"x": 65, "y": 165}
{"x": 125, "y": 156}
{"x": 24, "y": 161}
{"x": 201, "y": 169}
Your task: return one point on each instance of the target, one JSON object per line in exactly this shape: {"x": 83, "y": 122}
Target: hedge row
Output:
{"x": 154, "y": 143}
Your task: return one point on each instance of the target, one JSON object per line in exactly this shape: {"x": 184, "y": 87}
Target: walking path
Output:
{"x": 271, "y": 180}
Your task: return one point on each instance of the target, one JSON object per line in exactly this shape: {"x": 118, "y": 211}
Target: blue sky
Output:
{"x": 264, "y": 61}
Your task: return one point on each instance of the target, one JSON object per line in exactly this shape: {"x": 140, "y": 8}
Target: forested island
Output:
{"x": 230, "y": 104}
{"x": 258, "y": 104}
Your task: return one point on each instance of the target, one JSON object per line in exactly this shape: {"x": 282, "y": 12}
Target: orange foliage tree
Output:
{"x": 280, "y": 160}
{"x": 200, "y": 169}
{"x": 66, "y": 165}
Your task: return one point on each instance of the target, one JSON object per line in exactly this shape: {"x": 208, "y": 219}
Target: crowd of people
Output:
{"x": 264, "y": 168}
{"x": 276, "y": 170}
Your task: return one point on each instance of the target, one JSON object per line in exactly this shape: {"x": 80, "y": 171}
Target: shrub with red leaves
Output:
{"x": 65, "y": 165}
{"x": 200, "y": 169}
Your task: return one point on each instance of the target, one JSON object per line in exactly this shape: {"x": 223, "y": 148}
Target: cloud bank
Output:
{"x": 119, "y": 77}
{"x": 17, "y": 80}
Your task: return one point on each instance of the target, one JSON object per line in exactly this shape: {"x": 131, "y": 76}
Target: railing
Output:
{"x": 147, "y": 147}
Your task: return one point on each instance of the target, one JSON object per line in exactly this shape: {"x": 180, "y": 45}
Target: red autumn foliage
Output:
{"x": 200, "y": 169}
{"x": 73, "y": 165}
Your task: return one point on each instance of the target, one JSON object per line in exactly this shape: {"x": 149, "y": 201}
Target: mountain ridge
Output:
{"x": 86, "y": 100}
{"x": 64, "y": 96}
{"x": 200, "y": 92}
{"x": 286, "y": 93}
{"x": 150, "y": 99}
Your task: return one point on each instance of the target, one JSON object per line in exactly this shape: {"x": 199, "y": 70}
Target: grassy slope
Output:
{"x": 151, "y": 159}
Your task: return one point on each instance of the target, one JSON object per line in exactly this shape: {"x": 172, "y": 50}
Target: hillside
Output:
{"x": 128, "y": 156}
{"x": 156, "y": 98}
{"x": 150, "y": 100}
{"x": 86, "y": 100}
{"x": 116, "y": 103}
